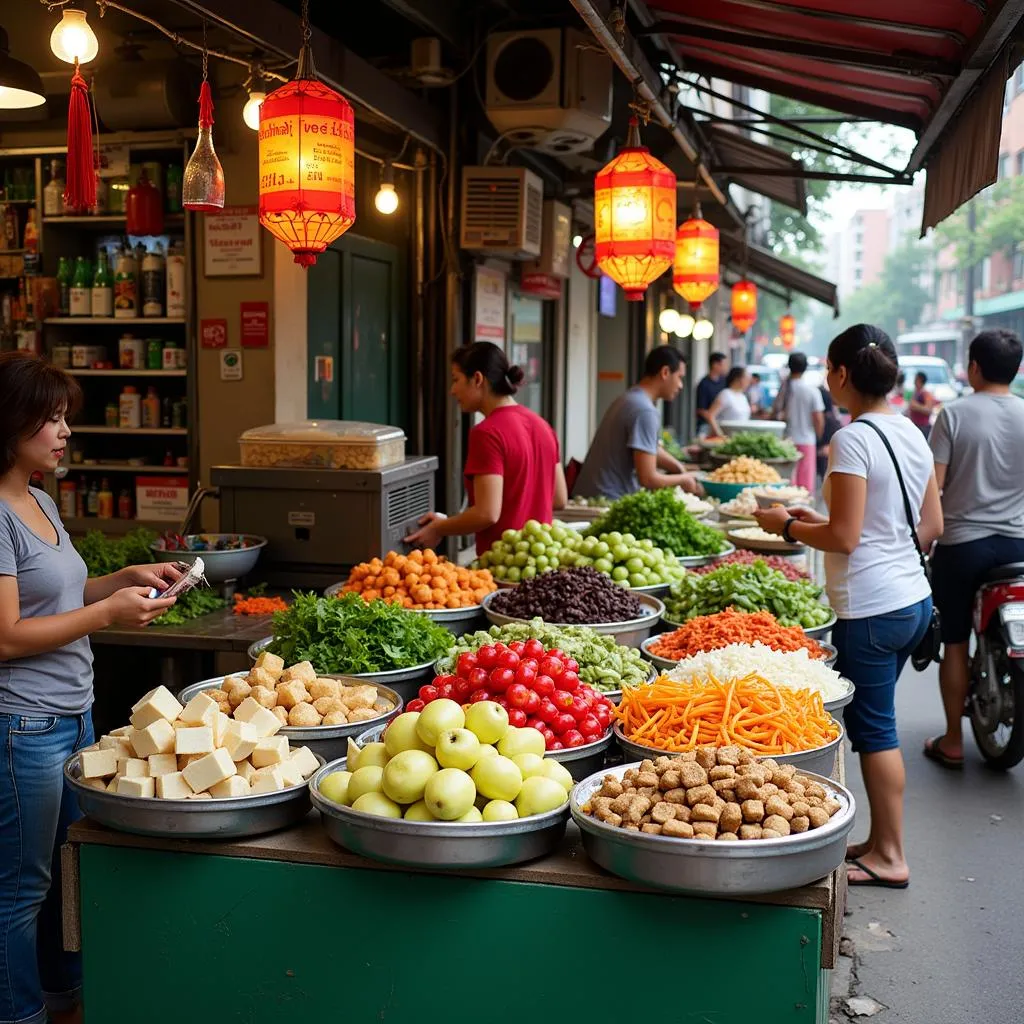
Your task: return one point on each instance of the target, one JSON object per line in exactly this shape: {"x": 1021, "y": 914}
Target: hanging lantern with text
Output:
{"x": 634, "y": 217}
{"x": 787, "y": 330}
{"x": 695, "y": 270}
{"x": 744, "y": 305}
{"x": 307, "y": 163}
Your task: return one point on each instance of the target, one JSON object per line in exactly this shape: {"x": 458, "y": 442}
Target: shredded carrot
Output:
{"x": 750, "y": 712}
{"x": 258, "y": 605}
{"x": 710, "y": 632}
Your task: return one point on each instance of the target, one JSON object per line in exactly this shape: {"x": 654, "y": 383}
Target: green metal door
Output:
{"x": 357, "y": 333}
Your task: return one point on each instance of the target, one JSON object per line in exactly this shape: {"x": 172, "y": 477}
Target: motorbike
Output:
{"x": 995, "y": 702}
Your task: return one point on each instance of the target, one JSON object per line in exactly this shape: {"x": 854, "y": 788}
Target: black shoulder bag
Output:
{"x": 930, "y": 647}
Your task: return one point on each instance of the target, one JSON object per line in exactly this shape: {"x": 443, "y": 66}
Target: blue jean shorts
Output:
{"x": 872, "y": 653}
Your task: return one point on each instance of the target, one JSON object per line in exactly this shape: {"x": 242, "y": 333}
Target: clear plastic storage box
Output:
{"x": 323, "y": 444}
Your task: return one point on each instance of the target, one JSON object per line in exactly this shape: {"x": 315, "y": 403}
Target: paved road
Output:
{"x": 950, "y": 949}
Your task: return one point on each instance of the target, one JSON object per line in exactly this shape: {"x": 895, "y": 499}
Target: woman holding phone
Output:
{"x": 48, "y": 608}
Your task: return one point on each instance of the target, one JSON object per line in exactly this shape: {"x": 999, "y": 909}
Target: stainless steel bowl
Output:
{"x": 406, "y": 682}
{"x": 691, "y": 561}
{"x": 818, "y": 632}
{"x": 231, "y": 818}
{"x": 329, "y": 741}
{"x": 219, "y": 566}
{"x": 821, "y": 760}
{"x": 667, "y": 664}
{"x": 835, "y": 707}
{"x": 628, "y": 634}
{"x": 708, "y": 867}
{"x": 437, "y": 844}
{"x": 455, "y": 620}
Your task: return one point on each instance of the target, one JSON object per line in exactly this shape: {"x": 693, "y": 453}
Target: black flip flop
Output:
{"x": 874, "y": 878}
{"x": 934, "y": 752}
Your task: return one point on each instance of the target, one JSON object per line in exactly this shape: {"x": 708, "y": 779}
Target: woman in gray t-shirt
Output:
{"x": 48, "y": 608}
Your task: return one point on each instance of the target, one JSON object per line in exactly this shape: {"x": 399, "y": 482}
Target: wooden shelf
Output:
{"x": 117, "y": 467}
{"x": 106, "y": 219}
{"x": 127, "y": 373}
{"x": 133, "y": 431}
{"x": 76, "y": 525}
{"x": 96, "y": 321}
{"x": 11, "y": 252}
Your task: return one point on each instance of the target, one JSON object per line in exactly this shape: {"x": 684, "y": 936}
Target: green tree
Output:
{"x": 998, "y": 227}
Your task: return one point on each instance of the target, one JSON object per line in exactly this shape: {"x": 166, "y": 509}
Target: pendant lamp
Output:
{"x": 787, "y": 330}
{"x": 202, "y": 186}
{"x": 744, "y": 305}
{"x": 695, "y": 270}
{"x": 20, "y": 85}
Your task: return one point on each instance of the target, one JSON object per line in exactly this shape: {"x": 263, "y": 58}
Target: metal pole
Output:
{"x": 967, "y": 331}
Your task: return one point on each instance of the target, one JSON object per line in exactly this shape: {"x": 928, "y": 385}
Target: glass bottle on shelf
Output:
{"x": 64, "y": 276}
{"x": 151, "y": 408}
{"x": 102, "y": 287}
{"x": 53, "y": 194}
{"x": 124, "y": 505}
{"x": 173, "y": 192}
{"x": 31, "y": 243}
{"x": 153, "y": 289}
{"x": 81, "y": 289}
{"x": 105, "y": 501}
{"x": 175, "y": 275}
{"x": 126, "y": 295}
{"x": 92, "y": 500}
{"x": 81, "y": 498}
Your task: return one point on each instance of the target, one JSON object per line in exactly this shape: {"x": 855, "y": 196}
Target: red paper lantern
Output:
{"x": 695, "y": 271}
{"x": 787, "y": 330}
{"x": 634, "y": 217}
{"x": 744, "y": 305}
{"x": 307, "y": 164}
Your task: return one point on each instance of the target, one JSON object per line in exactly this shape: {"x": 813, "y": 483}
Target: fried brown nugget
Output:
{"x": 832, "y": 806}
{"x": 770, "y": 833}
{"x": 670, "y": 779}
{"x": 707, "y": 757}
{"x": 814, "y": 789}
{"x": 776, "y": 805}
{"x": 722, "y": 771}
{"x": 609, "y": 818}
{"x": 776, "y": 823}
{"x": 700, "y": 795}
{"x": 676, "y": 796}
{"x": 799, "y": 823}
{"x": 677, "y": 829}
{"x": 753, "y": 811}
{"x": 611, "y": 786}
{"x": 731, "y": 818}
{"x": 647, "y": 778}
{"x": 729, "y": 837}
{"x": 646, "y": 765}
{"x": 705, "y": 812}
{"x": 662, "y": 763}
{"x": 621, "y": 803}
{"x": 638, "y": 807}
{"x": 729, "y": 755}
{"x": 817, "y": 816}
{"x": 651, "y": 829}
{"x": 769, "y": 789}
{"x": 662, "y": 812}
{"x": 705, "y": 829}
{"x": 750, "y": 832}
{"x": 746, "y": 757}
{"x": 748, "y": 789}
{"x": 724, "y": 785}
{"x": 801, "y": 809}
{"x": 692, "y": 774}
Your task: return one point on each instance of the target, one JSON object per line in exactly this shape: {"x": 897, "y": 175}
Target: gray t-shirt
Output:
{"x": 631, "y": 424}
{"x": 980, "y": 439}
{"x": 51, "y": 580}
{"x": 803, "y": 400}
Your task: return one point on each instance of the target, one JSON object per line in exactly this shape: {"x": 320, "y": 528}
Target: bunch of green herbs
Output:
{"x": 758, "y": 445}
{"x": 657, "y": 516}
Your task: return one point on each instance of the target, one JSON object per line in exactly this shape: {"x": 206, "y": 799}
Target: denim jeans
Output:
{"x": 36, "y": 809}
{"x": 872, "y": 653}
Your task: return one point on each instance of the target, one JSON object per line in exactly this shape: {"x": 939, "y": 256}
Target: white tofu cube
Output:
{"x": 172, "y": 786}
{"x": 95, "y": 783}
{"x": 122, "y": 730}
{"x": 142, "y": 700}
{"x": 159, "y": 704}
{"x": 112, "y": 786}
{"x": 92, "y": 746}
{"x": 245, "y": 770}
{"x": 272, "y": 663}
{"x": 268, "y": 780}
{"x": 156, "y": 738}
{"x": 200, "y": 710}
{"x": 200, "y": 796}
{"x": 240, "y": 739}
{"x": 143, "y": 786}
{"x": 306, "y": 761}
{"x": 303, "y": 671}
{"x": 194, "y": 740}
{"x": 118, "y": 743}
{"x": 162, "y": 764}
{"x": 235, "y": 786}
{"x": 133, "y": 767}
{"x": 220, "y": 728}
{"x": 98, "y": 764}
{"x": 291, "y": 774}
{"x": 270, "y": 750}
{"x": 209, "y": 770}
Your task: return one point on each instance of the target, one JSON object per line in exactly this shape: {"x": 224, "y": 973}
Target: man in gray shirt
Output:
{"x": 978, "y": 444}
{"x": 626, "y": 453}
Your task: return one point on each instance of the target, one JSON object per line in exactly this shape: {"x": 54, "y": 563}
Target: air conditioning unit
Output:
{"x": 502, "y": 212}
{"x": 556, "y": 242}
{"x": 548, "y": 89}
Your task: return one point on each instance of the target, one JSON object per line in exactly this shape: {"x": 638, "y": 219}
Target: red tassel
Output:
{"x": 205, "y": 106}
{"x": 80, "y": 190}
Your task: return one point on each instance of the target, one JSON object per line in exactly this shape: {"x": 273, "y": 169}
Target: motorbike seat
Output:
{"x": 1012, "y": 571}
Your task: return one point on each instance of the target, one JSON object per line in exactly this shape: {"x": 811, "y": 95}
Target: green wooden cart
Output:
{"x": 290, "y": 927}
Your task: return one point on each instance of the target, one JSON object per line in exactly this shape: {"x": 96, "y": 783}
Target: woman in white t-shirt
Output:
{"x": 873, "y": 575}
{"x": 732, "y": 403}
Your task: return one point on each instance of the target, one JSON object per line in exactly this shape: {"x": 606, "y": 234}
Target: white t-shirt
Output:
{"x": 884, "y": 573}
{"x": 802, "y": 401}
{"x": 732, "y": 405}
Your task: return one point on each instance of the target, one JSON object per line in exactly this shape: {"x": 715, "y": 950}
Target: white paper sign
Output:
{"x": 489, "y": 306}
{"x": 232, "y": 243}
{"x": 230, "y": 364}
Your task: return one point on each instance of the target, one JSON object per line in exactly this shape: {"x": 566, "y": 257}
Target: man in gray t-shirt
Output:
{"x": 626, "y": 453}
{"x": 978, "y": 444}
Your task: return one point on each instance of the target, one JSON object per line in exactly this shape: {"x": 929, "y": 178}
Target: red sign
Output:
{"x": 213, "y": 333}
{"x": 255, "y": 324}
{"x": 540, "y": 285}
{"x": 586, "y": 258}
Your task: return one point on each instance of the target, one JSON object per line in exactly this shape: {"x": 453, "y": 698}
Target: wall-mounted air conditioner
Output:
{"x": 502, "y": 212}
{"x": 556, "y": 242}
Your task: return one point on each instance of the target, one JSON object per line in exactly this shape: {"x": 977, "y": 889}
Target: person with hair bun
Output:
{"x": 512, "y": 472}
{"x": 48, "y": 608}
{"x": 873, "y": 575}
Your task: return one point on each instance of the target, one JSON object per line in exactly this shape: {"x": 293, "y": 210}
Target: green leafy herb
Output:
{"x": 758, "y": 445}
{"x": 349, "y": 635}
{"x": 659, "y": 517}
{"x": 191, "y": 605}
{"x": 103, "y": 555}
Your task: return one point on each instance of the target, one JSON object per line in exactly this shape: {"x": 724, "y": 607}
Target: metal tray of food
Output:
{"x": 817, "y": 632}
{"x": 692, "y": 561}
{"x": 667, "y": 664}
{"x": 708, "y": 867}
{"x": 455, "y": 620}
{"x": 329, "y": 741}
{"x": 437, "y": 845}
{"x": 227, "y": 818}
{"x": 629, "y": 633}
{"x": 835, "y": 707}
{"x": 406, "y": 682}
{"x": 820, "y": 760}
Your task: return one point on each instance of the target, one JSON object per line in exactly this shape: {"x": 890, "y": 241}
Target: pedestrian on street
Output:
{"x": 873, "y": 576}
{"x": 708, "y": 388}
{"x": 922, "y": 403}
{"x": 804, "y": 414}
{"x": 731, "y": 405}
{"x": 979, "y": 465}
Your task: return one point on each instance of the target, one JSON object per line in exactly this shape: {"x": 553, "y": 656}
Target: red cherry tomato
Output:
{"x": 569, "y": 681}
{"x": 428, "y": 693}
{"x": 547, "y": 712}
{"x": 517, "y": 647}
{"x": 563, "y": 723}
{"x": 572, "y": 665}
{"x": 550, "y": 739}
{"x": 466, "y": 663}
{"x": 535, "y": 723}
{"x": 487, "y": 656}
{"x": 463, "y": 688}
{"x": 415, "y": 705}
{"x": 533, "y": 700}
{"x": 501, "y": 701}
{"x": 517, "y": 717}
{"x": 533, "y": 648}
{"x": 478, "y": 695}
{"x": 508, "y": 659}
{"x": 590, "y": 727}
{"x": 550, "y": 666}
{"x": 556, "y": 652}
{"x": 544, "y": 685}
{"x": 447, "y": 690}
{"x": 478, "y": 677}
{"x": 518, "y": 695}
{"x": 573, "y": 738}
{"x": 557, "y": 745}
{"x": 501, "y": 679}
{"x": 562, "y": 699}
{"x": 579, "y": 708}
{"x": 546, "y": 732}
{"x": 526, "y": 673}
{"x": 603, "y": 715}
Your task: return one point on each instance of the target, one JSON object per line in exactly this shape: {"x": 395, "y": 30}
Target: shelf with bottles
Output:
{"x": 103, "y": 220}
{"x": 102, "y": 496}
{"x": 127, "y": 467}
{"x": 127, "y": 373}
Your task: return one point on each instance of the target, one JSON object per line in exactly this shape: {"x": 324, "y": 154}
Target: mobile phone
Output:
{"x": 192, "y": 577}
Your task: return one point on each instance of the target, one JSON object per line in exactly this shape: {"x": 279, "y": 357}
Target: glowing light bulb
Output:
{"x": 72, "y": 39}
{"x": 703, "y": 329}
{"x": 251, "y": 110}
{"x": 386, "y": 199}
{"x": 577, "y": 241}
{"x": 685, "y": 326}
{"x": 668, "y": 320}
